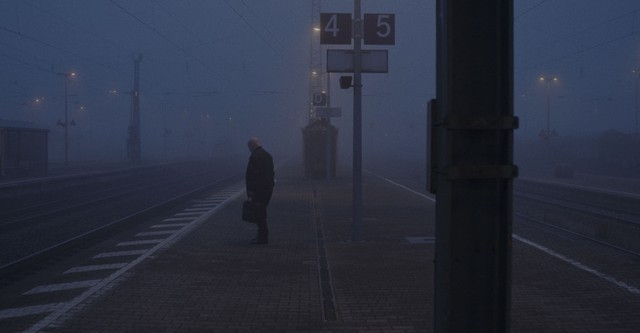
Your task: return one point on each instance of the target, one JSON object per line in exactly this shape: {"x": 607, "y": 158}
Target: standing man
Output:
{"x": 259, "y": 180}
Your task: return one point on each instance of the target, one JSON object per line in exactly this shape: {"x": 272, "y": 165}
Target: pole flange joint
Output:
{"x": 468, "y": 172}
{"x": 481, "y": 123}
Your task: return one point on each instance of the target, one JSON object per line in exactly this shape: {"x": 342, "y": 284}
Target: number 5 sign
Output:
{"x": 379, "y": 29}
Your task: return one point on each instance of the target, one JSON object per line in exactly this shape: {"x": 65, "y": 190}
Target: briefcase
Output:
{"x": 252, "y": 211}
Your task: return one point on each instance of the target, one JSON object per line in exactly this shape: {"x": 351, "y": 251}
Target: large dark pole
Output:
{"x": 357, "y": 124}
{"x": 474, "y": 165}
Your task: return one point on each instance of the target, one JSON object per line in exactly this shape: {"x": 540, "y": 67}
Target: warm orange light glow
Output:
{"x": 548, "y": 78}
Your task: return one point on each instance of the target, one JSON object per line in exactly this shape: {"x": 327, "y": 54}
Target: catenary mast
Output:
{"x": 315, "y": 75}
{"x": 133, "y": 142}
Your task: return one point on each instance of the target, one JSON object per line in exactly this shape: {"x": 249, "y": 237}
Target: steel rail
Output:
{"x": 99, "y": 232}
{"x": 534, "y": 221}
{"x": 58, "y": 211}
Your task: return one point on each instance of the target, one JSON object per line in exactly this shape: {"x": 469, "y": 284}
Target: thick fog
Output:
{"x": 584, "y": 110}
{"x": 214, "y": 73}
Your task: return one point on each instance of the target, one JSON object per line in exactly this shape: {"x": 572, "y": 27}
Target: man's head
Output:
{"x": 253, "y": 143}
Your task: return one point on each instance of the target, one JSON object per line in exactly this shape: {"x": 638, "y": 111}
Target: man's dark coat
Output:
{"x": 259, "y": 177}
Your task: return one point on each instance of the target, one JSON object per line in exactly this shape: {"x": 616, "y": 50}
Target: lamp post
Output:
{"x": 32, "y": 107}
{"x": 66, "y": 116}
{"x": 637, "y": 73}
{"x": 548, "y": 80}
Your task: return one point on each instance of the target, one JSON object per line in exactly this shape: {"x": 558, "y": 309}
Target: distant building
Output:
{"x": 24, "y": 149}
{"x": 17, "y": 123}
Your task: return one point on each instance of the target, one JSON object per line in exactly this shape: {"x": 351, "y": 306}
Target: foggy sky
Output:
{"x": 216, "y": 72}
{"x": 592, "y": 47}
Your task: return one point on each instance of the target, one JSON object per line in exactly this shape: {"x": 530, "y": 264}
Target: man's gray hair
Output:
{"x": 253, "y": 143}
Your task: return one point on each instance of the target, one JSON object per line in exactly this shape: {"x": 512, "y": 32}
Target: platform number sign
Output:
{"x": 379, "y": 29}
{"x": 335, "y": 28}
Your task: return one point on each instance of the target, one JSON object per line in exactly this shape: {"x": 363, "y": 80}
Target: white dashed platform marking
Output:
{"x": 120, "y": 254}
{"x": 154, "y": 233}
{"x": 29, "y": 310}
{"x": 169, "y": 225}
{"x": 91, "y": 268}
{"x": 142, "y": 242}
{"x": 62, "y": 286}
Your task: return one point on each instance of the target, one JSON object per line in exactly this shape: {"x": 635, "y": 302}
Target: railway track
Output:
{"x": 608, "y": 218}
{"x": 53, "y": 223}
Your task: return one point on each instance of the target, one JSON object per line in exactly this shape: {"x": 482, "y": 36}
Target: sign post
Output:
{"x": 378, "y": 29}
{"x": 356, "y": 235}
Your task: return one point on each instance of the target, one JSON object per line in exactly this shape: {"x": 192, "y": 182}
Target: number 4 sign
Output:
{"x": 335, "y": 28}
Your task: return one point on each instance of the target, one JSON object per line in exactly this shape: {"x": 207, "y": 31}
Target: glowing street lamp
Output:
{"x": 548, "y": 79}
{"x": 32, "y": 106}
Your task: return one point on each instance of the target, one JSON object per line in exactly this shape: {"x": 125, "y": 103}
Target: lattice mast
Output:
{"x": 315, "y": 64}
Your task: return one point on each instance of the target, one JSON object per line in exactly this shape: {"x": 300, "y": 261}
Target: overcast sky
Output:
{"x": 215, "y": 72}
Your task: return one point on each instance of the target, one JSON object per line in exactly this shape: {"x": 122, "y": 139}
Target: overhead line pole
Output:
{"x": 315, "y": 79}
{"x": 637, "y": 110}
{"x": 134, "y": 146}
{"x": 474, "y": 168}
{"x": 66, "y": 120}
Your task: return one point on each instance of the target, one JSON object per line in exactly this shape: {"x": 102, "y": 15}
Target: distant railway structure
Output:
{"x": 23, "y": 151}
{"x": 134, "y": 150}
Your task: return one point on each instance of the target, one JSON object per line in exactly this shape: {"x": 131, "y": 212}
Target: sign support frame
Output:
{"x": 356, "y": 222}
{"x": 333, "y": 32}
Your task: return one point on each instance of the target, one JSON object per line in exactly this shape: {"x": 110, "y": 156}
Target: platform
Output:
{"x": 213, "y": 280}
{"x": 312, "y": 278}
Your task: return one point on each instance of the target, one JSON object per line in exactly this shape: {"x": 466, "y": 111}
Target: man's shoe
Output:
{"x": 259, "y": 241}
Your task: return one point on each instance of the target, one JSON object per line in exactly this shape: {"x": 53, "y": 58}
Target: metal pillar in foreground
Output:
{"x": 473, "y": 165}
